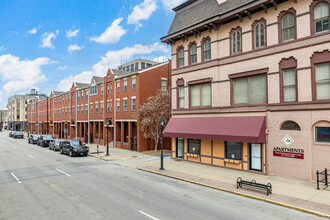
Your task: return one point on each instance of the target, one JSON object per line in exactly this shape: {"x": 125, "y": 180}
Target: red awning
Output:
{"x": 241, "y": 129}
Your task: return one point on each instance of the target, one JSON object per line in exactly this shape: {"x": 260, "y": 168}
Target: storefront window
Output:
{"x": 322, "y": 134}
{"x": 194, "y": 146}
{"x": 234, "y": 150}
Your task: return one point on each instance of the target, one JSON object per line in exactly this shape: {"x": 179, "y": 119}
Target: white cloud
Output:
{"x": 62, "y": 67}
{"x": 112, "y": 59}
{"x": 46, "y": 39}
{"x": 2, "y": 48}
{"x": 72, "y": 33}
{"x": 74, "y": 47}
{"x": 170, "y": 4}
{"x": 160, "y": 59}
{"x": 112, "y": 34}
{"x": 20, "y": 75}
{"x": 142, "y": 11}
{"x": 32, "y": 31}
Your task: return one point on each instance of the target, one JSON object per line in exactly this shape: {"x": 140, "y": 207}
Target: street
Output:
{"x": 36, "y": 183}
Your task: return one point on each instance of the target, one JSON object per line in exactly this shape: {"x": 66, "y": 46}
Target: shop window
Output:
{"x": 194, "y": 146}
{"x": 193, "y": 53}
{"x": 207, "y": 50}
{"x": 322, "y": 81}
{"x": 322, "y": 134}
{"x": 290, "y": 126}
{"x": 234, "y": 150}
{"x": 200, "y": 95}
{"x": 250, "y": 90}
{"x": 321, "y": 17}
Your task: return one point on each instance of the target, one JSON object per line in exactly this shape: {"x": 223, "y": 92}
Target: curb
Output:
{"x": 319, "y": 214}
{"x": 98, "y": 157}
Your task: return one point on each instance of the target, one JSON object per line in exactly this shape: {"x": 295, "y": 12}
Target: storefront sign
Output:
{"x": 288, "y": 152}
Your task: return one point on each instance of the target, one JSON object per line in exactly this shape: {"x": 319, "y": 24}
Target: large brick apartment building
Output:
{"x": 83, "y": 111}
{"x": 251, "y": 85}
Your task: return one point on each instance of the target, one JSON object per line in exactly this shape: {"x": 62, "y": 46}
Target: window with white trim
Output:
{"x": 164, "y": 84}
{"x": 322, "y": 80}
{"x": 125, "y": 104}
{"x": 125, "y": 84}
{"x": 133, "y": 103}
{"x": 133, "y": 83}
{"x": 118, "y": 105}
{"x": 118, "y": 85}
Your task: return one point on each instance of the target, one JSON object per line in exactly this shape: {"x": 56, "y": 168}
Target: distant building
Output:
{"x": 136, "y": 65}
{"x": 17, "y": 110}
{"x": 3, "y": 118}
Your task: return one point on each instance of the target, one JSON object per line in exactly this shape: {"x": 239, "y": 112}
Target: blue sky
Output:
{"x": 48, "y": 44}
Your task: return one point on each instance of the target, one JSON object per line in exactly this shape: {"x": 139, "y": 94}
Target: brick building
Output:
{"x": 251, "y": 85}
{"x": 82, "y": 112}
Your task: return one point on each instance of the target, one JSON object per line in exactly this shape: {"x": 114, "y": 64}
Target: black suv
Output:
{"x": 73, "y": 147}
{"x": 33, "y": 138}
{"x": 54, "y": 144}
{"x": 18, "y": 134}
{"x": 44, "y": 140}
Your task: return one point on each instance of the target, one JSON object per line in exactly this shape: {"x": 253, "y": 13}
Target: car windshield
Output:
{"x": 48, "y": 137}
{"x": 76, "y": 143}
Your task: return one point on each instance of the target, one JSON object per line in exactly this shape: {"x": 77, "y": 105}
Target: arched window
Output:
{"x": 321, "y": 17}
{"x": 288, "y": 27}
{"x": 259, "y": 35}
{"x": 207, "y": 50}
{"x": 291, "y": 126}
{"x": 181, "y": 57}
{"x": 236, "y": 42}
{"x": 193, "y": 54}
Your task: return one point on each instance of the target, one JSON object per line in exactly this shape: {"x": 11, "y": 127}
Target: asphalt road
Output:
{"x": 36, "y": 183}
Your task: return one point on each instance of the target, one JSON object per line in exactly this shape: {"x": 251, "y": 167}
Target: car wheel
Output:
{"x": 70, "y": 153}
{"x": 61, "y": 150}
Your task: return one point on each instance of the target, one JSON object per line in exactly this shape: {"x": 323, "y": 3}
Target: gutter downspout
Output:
{"x": 114, "y": 111}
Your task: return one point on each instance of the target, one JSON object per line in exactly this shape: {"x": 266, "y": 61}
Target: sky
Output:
{"x": 49, "y": 44}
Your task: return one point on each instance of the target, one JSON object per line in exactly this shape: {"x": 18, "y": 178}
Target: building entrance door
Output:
{"x": 255, "y": 157}
{"x": 179, "y": 147}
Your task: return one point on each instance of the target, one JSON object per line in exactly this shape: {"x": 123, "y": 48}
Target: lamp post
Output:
{"x": 162, "y": 122}
{"x": 108, "y": 123}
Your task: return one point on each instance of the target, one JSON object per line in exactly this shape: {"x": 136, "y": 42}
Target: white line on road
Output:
{"x": 15, "y": 178}
{"x": 143, "y": 213}
{"x": 30, "y": 156}
{"x": 63, "y": 172}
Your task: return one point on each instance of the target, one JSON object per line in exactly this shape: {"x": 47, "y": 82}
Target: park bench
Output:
{"x": 254, "y": 184}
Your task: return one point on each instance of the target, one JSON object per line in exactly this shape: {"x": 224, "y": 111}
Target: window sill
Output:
{"x": 233, "y": 161}
{"x": 193, "y": 155}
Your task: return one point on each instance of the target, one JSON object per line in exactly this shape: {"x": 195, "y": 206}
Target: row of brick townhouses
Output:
{"x": 251, "y": 85}
{"x": 83, "y": 111}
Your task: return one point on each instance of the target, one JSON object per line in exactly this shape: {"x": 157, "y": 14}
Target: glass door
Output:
{"x": 255, "y": 157}
{"x": 179, "y": 147}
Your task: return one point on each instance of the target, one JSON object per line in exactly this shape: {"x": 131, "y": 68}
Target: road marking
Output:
{"x": 143, "y": 213}
{"x": 30, "y": 156}
{"x": 63, "y": 172}
{"x": 15, "y": 178}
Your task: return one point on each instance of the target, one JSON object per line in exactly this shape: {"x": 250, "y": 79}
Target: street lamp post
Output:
{"x": 162, "y": 122}
{"x": 108, "y": 123}
{"x": 47, "y": 115}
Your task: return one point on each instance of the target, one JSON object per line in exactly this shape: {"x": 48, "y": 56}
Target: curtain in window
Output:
{"x": 206, "y": 94}
{"x": 321, "y": 17}
{"x": 322, "y": 78}
{"x": 195, "y": 95}
{"x": 181, "y": 57}
{"x": 241, "y": 93}
{"x": 288, "y": 27}
{"x": 289, "y": 85}
{"x": 258, "y": 89}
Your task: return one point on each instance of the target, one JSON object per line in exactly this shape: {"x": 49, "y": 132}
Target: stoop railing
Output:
{"x": 324, "y": 180}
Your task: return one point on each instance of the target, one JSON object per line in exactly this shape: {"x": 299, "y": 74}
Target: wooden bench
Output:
{"x": 254, "y": 184}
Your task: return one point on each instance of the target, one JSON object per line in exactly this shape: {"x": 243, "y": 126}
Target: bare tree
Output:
{"x": 151, "y": 112}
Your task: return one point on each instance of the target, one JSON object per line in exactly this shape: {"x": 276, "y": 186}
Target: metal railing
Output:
{"x": 324, "y": 180}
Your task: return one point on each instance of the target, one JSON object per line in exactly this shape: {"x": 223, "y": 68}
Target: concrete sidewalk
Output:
{"x": 290, "y": 193}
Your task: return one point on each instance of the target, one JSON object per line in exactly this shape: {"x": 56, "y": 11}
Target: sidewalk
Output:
{"x": 300, "y": 195}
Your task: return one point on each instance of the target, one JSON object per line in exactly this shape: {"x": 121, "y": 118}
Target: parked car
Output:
{"x": 11, "y": 133}
{"x": 44, "y": 140}
{"x": 54, "y": 144}
{"x": 73, "y": 147}
{"x": 18, "y": 134}
{"x": 33, "y": 138}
